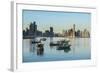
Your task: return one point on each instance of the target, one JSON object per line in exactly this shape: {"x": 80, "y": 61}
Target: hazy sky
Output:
{"x": 58, "y": 20}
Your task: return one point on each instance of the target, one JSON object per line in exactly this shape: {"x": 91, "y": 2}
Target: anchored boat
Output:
{"x": 54, "y": 44}
{"x": 63, "y": 45}
{"x": 43, "y": 39}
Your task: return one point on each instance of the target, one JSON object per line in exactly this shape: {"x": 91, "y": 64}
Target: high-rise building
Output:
{"x": 78, "y": 34}
{"x": 34, "y": 26}
{"x": 86, "y": 33}
{"x": 32, "y": 29}
{"x": 51, "y": 32}
{"x": 47, "y": 33}
{"x": 73, "y": 30}
{"x": 51, "y": 29}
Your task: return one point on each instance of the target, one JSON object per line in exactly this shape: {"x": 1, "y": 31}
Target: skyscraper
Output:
{"x": 51, "y": 29}
{"x": 51, "y": 32}
{"x": 32, "y": 29}
{"x": 73, "y": 30}
{"x": 34, "y": 26}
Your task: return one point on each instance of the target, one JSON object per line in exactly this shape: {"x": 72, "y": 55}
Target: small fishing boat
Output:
{"x": 34, "y": 42}
{"x": 54, "y": 44}
{"x": 63, "y": 41}
{"x": 63, "y": 45}
{"x": 43, "y": 39}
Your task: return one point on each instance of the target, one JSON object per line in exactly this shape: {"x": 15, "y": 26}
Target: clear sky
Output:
{"x": 58, "y": 20}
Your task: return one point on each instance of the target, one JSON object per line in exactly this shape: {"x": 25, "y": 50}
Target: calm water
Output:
{"x": 80, "y": 49}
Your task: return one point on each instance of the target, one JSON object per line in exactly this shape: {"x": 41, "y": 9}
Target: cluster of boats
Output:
{"x": 61, "y": 45}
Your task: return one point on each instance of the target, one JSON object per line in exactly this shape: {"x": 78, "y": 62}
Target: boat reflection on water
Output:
{"x": 32, "y": 47}
{"x": 36, "y": 46}
{"x": 40, "y": 52}
{"x": 67, "y": 50}
{"x": 40, "y": 49}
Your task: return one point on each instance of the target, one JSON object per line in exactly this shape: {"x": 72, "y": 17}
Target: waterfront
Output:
{"x": 80, "y": 50}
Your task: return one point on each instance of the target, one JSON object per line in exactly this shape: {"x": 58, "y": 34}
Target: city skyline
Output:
{"x": 33, "y": 32}
{"x": 59, "y": 20}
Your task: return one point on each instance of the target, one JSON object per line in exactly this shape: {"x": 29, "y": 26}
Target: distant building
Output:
{"x": 70, "y": 33}
{"x": 27, "y": 31}
{"x": 24, "y": 33}
{"x": 51, "y": 29}
{"x": 32, "y": 29}
{"x": 47, "y": 33}
{"x": 65, "y": 33}
{"x": 78, "y": 34}
{"x": 86, "y": 33}
{"x": 51, "y": 32}
{"x": 39, "y": 33}
{"x": 73, "y": 30}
